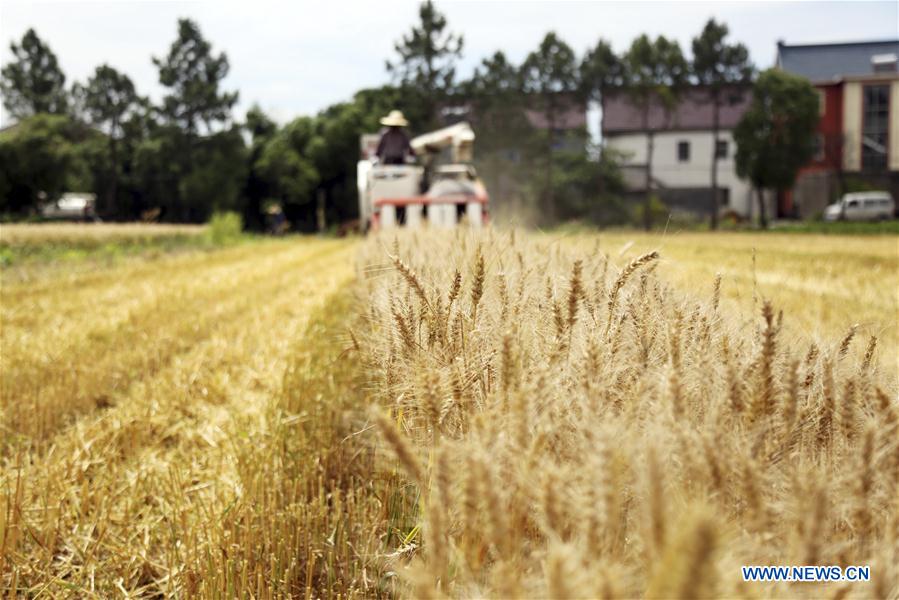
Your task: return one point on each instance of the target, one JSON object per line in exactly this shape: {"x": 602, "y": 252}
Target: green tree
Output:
{"x": 106, "y": 99}
{"x": 549, "y": 75}
{"x": 601, "y": 70}
{"x": 32, "y": 81}
{"x": 374, "y": 103}
{"x": 335, "y": 154}
{"x": 654, "y": 74}
{"x": 290, "y": 173}
{"x": 156, "y": 172}
{"x": 495, "y": 80}
{"x": 258, "y": 124}
{"x": 589, "y": 186}
{"x": 216, "y": 180}
{"x": 427, "y": 58}
{"x": 261, "y": 129}
{"x": 723, "y": 69}
{"x": 138, "y": 125}
{"x": 776, "y": 135}
{"x": 190, "y": 193}
{"x": 193, "y": 75}
{"x": 504, "y": 134}
{"x": 43, "y": 156}
{"x": 494, "y": 91}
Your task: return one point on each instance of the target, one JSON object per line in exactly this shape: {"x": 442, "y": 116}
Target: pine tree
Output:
{"x": 719, "y": 67}
{"x": 32, "y": 82}
{"x": 426, "y": 61}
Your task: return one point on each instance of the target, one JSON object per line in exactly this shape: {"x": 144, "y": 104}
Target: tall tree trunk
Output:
{"x": 647, "y": 202}
{"x": 320, "y": 210}
{"x": 113, "y": 188}
{"x": 185, "y": 203}
{"x": 548, "y": 199}
{"x": 600, "y": 185}
{"x": 713, "y": 215}
{"x": 763, "y": 215}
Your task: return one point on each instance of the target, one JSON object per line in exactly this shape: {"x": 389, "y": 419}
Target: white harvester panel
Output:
{"x": 442, "y": 215}
{"x": 388, "y": 182}
{"x": 363, "y": 167}
{"x": 394, "y": 181}
{"x": 414, "y": 215}
{"x": 388, "y": 216}
{"x": 474, "y": 213}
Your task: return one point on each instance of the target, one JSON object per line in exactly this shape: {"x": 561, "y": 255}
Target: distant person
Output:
{"x": 275, "y": 221}
{"x": 394, "y": 146}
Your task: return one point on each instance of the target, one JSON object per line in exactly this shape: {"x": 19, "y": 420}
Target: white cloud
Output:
{"x": 297, "y": 57}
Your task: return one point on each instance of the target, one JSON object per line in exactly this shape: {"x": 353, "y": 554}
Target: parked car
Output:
{"x": 862, "y": 206}
{"x": 71, "y": 206}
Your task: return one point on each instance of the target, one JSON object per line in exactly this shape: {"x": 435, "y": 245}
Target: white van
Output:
{"x": 71, "y": 206}
{"x": 862, "y": 206}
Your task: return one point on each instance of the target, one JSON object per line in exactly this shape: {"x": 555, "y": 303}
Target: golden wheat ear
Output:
{"x": 401, "y": 447}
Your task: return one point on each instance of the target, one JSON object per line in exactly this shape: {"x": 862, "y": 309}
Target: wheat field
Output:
{"x": 825, "y": 283}
{"x": 581, "y": 426}
{"x": 94, "y": 234}
{"x": 453, "y": 414}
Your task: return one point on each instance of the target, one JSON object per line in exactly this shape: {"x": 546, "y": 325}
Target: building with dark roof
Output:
{"x": 693, "y": 112}
{"x": 683, "y": 147}
{"x": 823, "y": 63}
{"x": 858, "y": 133}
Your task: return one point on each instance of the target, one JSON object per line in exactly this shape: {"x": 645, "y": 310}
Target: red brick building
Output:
{"x": 858, "y": 134}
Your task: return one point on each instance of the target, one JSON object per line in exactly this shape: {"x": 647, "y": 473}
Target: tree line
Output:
{"x": 187, "y": 156}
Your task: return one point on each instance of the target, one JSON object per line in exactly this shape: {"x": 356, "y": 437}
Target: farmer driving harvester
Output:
{"x": 429, "y": 180}
{"x": 394, "y": 146}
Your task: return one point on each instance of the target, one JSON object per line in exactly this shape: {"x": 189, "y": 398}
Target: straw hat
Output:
{"x": 395, "y": 119}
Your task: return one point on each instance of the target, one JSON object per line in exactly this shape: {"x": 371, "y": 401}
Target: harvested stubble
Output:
{"x": 207, "y": 475}
{"x": 71, "y": 346}
{"x": 579, "y": 428}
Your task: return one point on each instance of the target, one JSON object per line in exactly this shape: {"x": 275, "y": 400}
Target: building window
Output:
{"x": 683, "y": 152}
{"x": 819, "y": 147}
{"x": 721, "y": 149}
{"x": 875, "y": 124}
{"x": 723, "y": 196}
{"x": 822, "y": 101}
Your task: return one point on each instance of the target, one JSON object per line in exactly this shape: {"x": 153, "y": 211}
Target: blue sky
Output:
{"x": 297, "y": 57}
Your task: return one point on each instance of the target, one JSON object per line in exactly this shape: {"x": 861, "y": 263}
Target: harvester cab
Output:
{"x": 433, "y": 191}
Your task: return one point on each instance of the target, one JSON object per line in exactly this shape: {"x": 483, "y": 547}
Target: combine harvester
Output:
{"x": 410, "y": 195}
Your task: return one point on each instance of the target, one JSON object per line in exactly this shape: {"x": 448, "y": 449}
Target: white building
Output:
{"x": 682, "y": 152}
